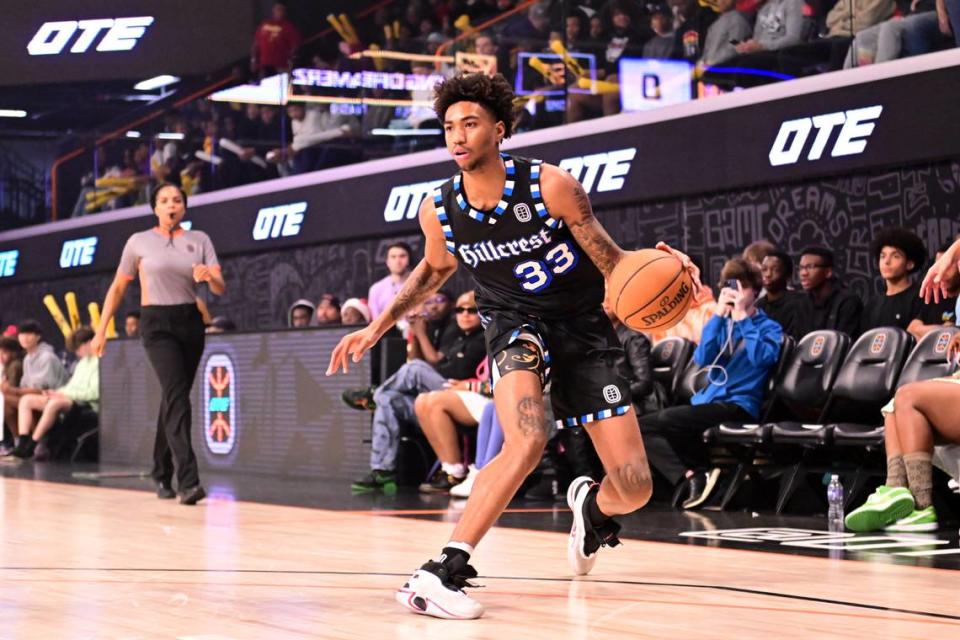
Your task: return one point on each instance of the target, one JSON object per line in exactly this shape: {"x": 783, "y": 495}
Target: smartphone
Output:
{"x": 732, "y": 283}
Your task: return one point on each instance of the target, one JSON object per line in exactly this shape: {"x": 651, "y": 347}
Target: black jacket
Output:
{"x": 637, "y": 349}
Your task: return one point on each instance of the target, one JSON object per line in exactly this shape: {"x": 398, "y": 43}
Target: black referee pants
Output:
{"x": 673, "y": 437}
{"x": 173, "y": 337}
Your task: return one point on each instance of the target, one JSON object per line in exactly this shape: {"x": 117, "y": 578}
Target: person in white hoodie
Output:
{"x": 300, "y": 314}
{"x": 42, "y": 370}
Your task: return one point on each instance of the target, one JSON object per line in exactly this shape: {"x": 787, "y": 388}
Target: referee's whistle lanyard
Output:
{"x": 170, "y": 233}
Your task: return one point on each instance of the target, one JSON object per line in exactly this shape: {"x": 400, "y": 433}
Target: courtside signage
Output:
{"x": 8, "y": 263}
{"x": 855, "y": 126}
{"x": 220, "y": 407}
{"x": 283, "y": 221}
{"x": 332, "y": 79}
{"x": 78, "y": 253}
{"x": 110, "y": 34}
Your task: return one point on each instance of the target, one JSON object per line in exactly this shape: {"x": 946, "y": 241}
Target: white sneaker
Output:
{"x": 580, "y": 562}
{"x": 463, "y": 489}
{"x": 425, "y": 593}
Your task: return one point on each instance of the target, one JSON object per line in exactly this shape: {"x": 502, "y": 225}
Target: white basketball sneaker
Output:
{"x": 433, "y": 590}
{"x": 585, "y": 539}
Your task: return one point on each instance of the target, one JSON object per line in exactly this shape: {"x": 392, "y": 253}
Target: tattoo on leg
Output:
{"x": 531, "y": 417}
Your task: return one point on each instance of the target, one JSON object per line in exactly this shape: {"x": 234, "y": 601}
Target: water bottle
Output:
{"x": 835, "y": 504}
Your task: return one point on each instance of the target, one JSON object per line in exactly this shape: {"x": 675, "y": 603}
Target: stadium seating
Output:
{"x": 669, "y": 359}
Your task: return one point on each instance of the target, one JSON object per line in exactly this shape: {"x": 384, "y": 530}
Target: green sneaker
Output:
{"x": 923, "y": 520}
{"x": 885, "y": 506}
{"x": 376, "y": 480}
{"x": 359, "y": 399}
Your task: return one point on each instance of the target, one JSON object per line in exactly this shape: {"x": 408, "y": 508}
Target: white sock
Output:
{"x": 455, "y": 469}
{"x": 463, "y": 546}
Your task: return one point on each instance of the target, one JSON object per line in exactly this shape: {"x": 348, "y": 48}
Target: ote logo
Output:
{"x": 856, "y": 126}
{"x": 943, "y": 340}
{"x": 8, "y": 263}
{"x": 522, "y": 212}
{"x": 122, "y": 34}
{"x": 817, "y": 347}
{"x": 611, "y": 167}
{"x": 404, "y": 202}
{"x": 611, "y": 394}
{"x": 280, "y": 221}
{"x": 219, "y": 408}
{"x": 78, "y": 253}
{"x": 879, "y": 340}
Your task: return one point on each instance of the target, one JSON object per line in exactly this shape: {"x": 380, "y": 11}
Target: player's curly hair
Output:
{"x": 906, "y": 241}
{"x": 494, "y": 93}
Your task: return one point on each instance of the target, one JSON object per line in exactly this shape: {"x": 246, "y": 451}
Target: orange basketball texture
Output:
{"x": 649, "y": 289}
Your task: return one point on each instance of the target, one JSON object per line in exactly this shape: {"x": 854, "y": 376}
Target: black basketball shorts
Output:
{"x": 584, "y": 361}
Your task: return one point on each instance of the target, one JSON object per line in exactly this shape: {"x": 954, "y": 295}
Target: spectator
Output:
{"x": 865, "y": 13}
{"x": 82, "y": 392}
{"x": 782, "y": 305}
{"x": 11, "y": 370}
{"x": 427, "y": 327}
{"x": 300, "y": 314}
{"x": 274, "y": 43}
{"x": 729, "y": 29}
{"x": 913, "y": 34}
{"x": 948, "y": 18}
{"x": 740, "y": 346}
{"x": 827, "y": 304}
{"x": 42, "y": 370}
{"x": 382, "y": 293}
{"x": 647, "y": 394}
{"x": 690, "y": 37}
{"x": 779, "y": 25}
{"x": 661, "y": 22}
{"x": 920, "y": 415}
{"x": 131, "y": 324}
{"x": 313, "y": 126}
{"x": 899, "y": 253}
{"x": 355, "y": 312}
{"x": 438, "y": 414}
{"x": 328, "y": 310}
{"x": 935, "y": 314}
{"x": 758, "y": 250}
{"x": 534, "y": 25}
{"x": 461, "y": 348}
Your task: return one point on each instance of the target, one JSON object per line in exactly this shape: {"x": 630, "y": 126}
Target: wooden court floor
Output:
{"x": 87, "y": 562}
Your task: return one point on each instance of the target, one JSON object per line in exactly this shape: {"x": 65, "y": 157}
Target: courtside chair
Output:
{"x": 668, "y": 360}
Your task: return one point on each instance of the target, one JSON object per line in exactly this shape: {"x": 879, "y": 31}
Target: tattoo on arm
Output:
{"x": 423, "y": 281}
{"x": 592, "y": 238}
{"x": 533, "y": 422}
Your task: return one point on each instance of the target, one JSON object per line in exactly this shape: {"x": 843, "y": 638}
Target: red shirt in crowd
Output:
{"x": 276, "y": 40}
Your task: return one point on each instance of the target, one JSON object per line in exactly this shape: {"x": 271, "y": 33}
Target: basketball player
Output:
{"x": 527, "y": 233}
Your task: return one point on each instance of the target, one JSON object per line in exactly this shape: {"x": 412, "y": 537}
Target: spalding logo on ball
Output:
{"x": 649, "y": 289}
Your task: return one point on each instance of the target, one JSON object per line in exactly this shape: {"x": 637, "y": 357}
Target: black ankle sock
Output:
{"x": 454, "y": 558}
{"x": 594, "y": 515}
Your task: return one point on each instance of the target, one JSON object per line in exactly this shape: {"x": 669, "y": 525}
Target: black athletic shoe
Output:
{"x": 24, "y": 448}
{"x": 437, "y": 589}
{"x": 701, "y": 486}
{"x": 165, "y": 491}
{"x": 359, "y": 399}
{"x": 192, "y": 496}
{"x": 440, "y": 482}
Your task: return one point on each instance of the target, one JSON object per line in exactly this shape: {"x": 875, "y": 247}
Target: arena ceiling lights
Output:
{"x": 156, "y": 82}
{"x": 13, "y": 113}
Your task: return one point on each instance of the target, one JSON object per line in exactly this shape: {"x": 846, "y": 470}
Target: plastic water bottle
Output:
{"x": 835, "y": 502}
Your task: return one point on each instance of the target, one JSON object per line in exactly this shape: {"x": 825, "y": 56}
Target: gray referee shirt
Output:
{"x": 164, "y": 264}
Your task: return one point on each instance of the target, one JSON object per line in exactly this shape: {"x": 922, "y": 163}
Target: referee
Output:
{"x": 170, "y": 262}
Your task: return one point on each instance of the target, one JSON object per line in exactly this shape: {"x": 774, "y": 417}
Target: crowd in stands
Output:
{"x": 220, "y": 144}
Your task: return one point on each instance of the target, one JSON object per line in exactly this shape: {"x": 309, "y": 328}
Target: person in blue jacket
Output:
{"x": 739, "y": 346}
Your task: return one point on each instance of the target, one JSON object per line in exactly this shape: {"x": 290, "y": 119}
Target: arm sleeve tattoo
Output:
{"x": 592, "y": 238}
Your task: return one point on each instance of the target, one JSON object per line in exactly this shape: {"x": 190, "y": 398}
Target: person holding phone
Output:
{"x": 739, "y": 347}
{"x": 171, "y": 262}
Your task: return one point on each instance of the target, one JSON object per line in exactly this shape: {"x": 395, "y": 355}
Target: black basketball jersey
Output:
{"x": 519, "y": 256}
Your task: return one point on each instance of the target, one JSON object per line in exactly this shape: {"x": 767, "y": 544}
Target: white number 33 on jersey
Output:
{"x": 536, "y": 275}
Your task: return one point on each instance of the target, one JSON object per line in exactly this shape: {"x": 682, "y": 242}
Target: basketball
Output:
{"x": 649, "y": 289}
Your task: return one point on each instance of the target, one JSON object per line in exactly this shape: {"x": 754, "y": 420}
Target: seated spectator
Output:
{"x": 42, "y": 370}
{"x": 83, "y": 389}
{"x": 11, "y": 370}
{"x": 691, "y": 36}
{"x": 383, "y": 291}
{"x": 779, "y": 25}
{"x": 827, "y": 303}
{"x": 300, "y": 314}
{"x": 438, "y": 414}
{"x": 131, "y": 324}
{"x": 758, "y": 250}
{"x": 729, "y": 29}
{"x": 661, "y": 44}
{"x": 489, "y": 443}
{"x": 355, "y": 312}
{"x": 899, "y": 253}
{"x": 910, "y": 35}
{"x": 461, "y": 348}
{"x": 920, "y": 415}
{"x": 427, "y": 326}
{"x": 934, "y": 315}
{"x": 328, "y": 310}
{"x": 858, "y": 15}
{"x": 313, "y": 127}
{"x": 274, "y": 43}
{"x": 646, "y": 393}
{"x": 739, "y": 347}
{"x": 784, "y": 306}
